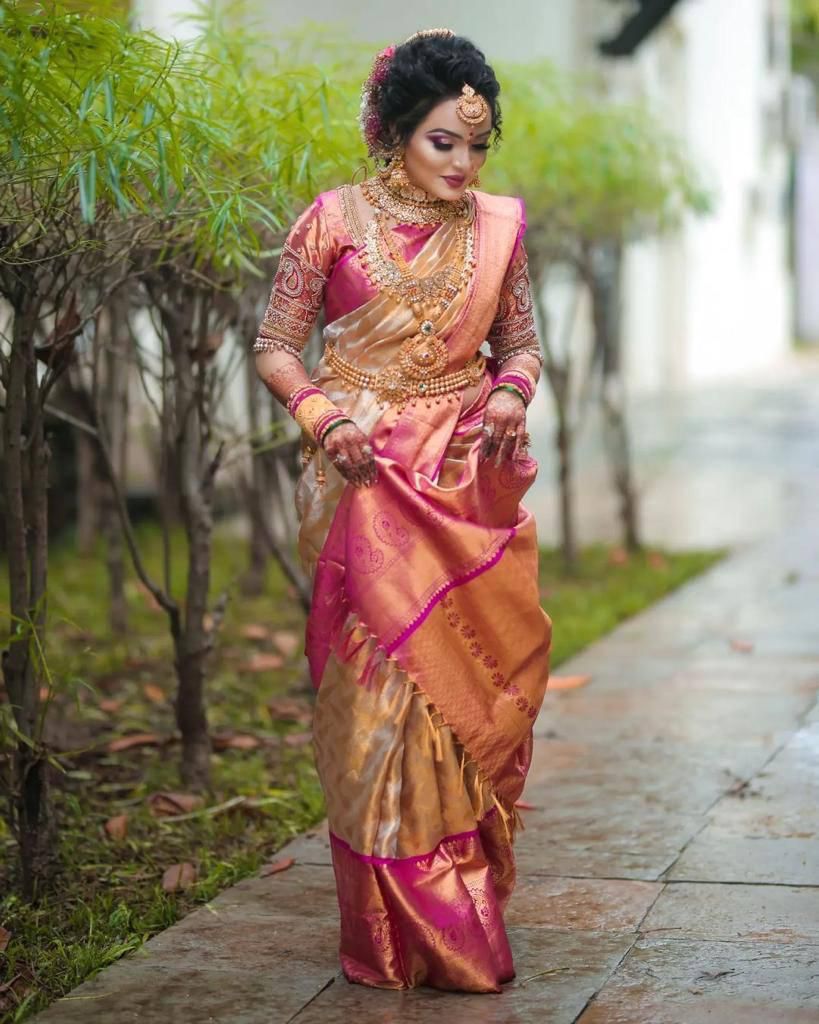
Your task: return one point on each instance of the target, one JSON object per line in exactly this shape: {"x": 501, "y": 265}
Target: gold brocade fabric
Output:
{"x": 398, "y": 778}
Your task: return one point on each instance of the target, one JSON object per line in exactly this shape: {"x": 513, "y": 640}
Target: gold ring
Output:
{"x": 511, "y": 433}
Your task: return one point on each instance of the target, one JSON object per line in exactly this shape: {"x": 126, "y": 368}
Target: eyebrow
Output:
{"x": 455, "y": 135}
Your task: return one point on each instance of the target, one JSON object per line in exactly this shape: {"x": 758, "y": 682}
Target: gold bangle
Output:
{"x": 309, "y": 411}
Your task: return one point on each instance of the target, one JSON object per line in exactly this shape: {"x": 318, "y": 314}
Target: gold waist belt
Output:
{"x": 414, "y": 375}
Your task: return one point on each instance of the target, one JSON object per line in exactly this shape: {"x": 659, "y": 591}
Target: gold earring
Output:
{"x": 398, "y": 182}
{"x": 476, "y": 181}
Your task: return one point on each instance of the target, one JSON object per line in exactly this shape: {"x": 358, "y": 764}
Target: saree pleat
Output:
{"x": 429, "y": 649}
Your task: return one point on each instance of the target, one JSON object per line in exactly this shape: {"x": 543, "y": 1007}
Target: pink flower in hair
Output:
{"x": 369, "y": 120}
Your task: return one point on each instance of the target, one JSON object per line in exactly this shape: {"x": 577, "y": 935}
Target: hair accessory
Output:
{"x": 471, "y": 107}
{"x": 424, "y": 33}
{"x": 368, "y": 120}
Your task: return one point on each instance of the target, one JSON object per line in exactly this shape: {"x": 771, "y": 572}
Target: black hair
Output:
{"x": 423, "y": 72}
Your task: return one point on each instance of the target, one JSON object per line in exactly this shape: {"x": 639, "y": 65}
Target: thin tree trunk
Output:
{"x": 196, "y": 480}
{"x": 253, "y": 581}
{"x": 88, "y": 505}
{"x": 565, "y": 480}
{"x": 558, "y": 377}
{"x": 25, "y": 469}
{"x": 115, "y": 410}
{"x": 605, "y": 280}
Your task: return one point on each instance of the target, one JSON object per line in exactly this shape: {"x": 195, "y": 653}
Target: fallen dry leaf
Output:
{"x": 110, "y": 704}
{"x": 657, "y": 561}
{"x": 164, "y": 804}
{"x": 5, "y": 937}
{"x": 287, "y": 642}
{"x": 135, "y": 739}
{"x": 618, "y": 556}
{"x": 262, "y": 662}
{"x": 179, "y": 876}
{"x": 277, "y": 866}
{"x": 298, "y": 739}
{"x": 567, "y": 682}
{"x": 253, "y": 631}
{"x": 743, "y": 646}
{"x": 117, "y": 827}
{"x": 289, "y": 709}
{"x": 235, "y": 741}
{"x": 154, "y": 693}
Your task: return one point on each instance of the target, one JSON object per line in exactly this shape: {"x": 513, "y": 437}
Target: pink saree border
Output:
{"x": 435, "y": 599}
{"x": 457, "y": 837}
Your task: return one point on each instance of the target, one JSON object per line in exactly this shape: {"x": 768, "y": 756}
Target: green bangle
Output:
{"x": 332, "y": 427}
{"x": 511, "y": 388}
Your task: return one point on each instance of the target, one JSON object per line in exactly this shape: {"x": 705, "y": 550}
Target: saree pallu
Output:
{"x": 429, "y": 649}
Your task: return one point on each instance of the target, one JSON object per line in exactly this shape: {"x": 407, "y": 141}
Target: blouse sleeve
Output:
{"x": 298, "y": 288}
{"x": 513, "y": 331}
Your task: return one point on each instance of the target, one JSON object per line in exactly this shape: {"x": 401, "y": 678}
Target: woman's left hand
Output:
{"x": 504, "y": 425}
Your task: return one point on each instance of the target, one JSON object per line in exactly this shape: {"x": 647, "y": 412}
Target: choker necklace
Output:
{"x": 416, "y": 210}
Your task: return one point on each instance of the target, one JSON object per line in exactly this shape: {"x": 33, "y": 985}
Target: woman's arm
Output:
{"x": 515, "y": 347}
{"x": 295, "y": 300}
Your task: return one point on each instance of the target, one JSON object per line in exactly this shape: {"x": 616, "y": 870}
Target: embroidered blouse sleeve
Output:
{"x": 513, "y": 331}
{"x": 298, "y": 288}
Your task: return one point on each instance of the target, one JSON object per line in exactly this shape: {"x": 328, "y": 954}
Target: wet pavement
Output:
{"x": 669, "y": 868}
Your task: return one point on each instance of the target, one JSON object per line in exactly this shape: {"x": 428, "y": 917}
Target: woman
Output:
{"x": 425, "y": 639}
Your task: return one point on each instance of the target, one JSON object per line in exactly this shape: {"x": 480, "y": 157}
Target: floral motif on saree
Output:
{"x": 426, "y": 639}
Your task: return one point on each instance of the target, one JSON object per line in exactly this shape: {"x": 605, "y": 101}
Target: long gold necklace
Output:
{"x": 423, "y": 358}
{"x": 388, "y": 269}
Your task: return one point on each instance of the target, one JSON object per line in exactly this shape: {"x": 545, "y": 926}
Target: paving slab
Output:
{"x": 558, "y": 972}
{"x": 156, "y": 993}
{"x": 766, "y": 913}
{"x": 680, "y": 981}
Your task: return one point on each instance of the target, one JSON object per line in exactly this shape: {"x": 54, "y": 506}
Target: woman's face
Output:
{"x": 443, "y": 154}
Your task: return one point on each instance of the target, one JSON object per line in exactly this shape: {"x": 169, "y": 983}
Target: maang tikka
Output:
{"x": 471, "y": 107}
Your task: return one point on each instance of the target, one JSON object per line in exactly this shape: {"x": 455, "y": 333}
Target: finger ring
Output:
{"x": 511, "y": 433}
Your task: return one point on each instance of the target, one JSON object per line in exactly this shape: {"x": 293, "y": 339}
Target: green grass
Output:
{"x": 106, "y": 897}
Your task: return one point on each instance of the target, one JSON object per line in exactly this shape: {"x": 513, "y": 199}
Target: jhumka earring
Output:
{"x": 397, "y": 180}
{"x": 476, "y": 182}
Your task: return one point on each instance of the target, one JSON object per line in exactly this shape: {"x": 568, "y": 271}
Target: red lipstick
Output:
{"x": 454, "y": 181}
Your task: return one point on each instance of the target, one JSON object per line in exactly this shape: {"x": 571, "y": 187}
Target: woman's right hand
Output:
{"x": 350, "y": 451}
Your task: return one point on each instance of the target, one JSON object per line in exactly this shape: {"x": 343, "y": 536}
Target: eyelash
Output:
{"x": 446, "y": 146}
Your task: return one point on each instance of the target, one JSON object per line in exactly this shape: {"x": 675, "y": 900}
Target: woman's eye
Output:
{"x": 445, "y": 146}
{"x": 483, "y": 145}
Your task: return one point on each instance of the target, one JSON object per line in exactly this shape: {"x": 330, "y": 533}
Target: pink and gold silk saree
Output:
{"x": 426, "y": 639}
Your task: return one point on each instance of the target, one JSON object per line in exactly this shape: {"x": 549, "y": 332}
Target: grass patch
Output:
{"x": 106, "y": 898}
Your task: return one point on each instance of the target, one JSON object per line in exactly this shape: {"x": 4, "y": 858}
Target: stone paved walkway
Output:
{"x": 669, "y": 873}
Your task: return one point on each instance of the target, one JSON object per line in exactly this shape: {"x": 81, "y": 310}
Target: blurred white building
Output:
{"x": 714, "y": 299}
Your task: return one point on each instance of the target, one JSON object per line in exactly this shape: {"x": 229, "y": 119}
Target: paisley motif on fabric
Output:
{"x": 390, "y": 529}
{"x": 364, "y": 557}
{"x": 514, "y": 331}
{"x": 295, "y": 301}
